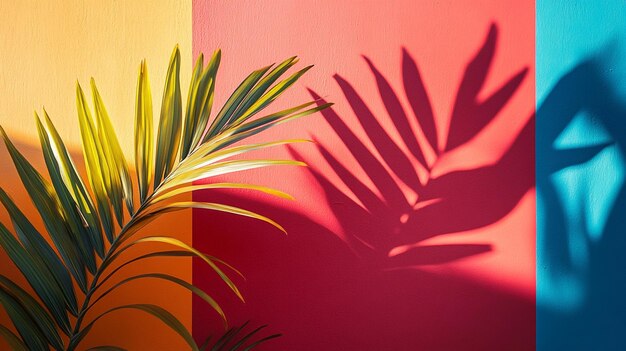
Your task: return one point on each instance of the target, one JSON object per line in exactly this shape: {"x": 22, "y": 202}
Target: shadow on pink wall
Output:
{"x": 364, "y": 288}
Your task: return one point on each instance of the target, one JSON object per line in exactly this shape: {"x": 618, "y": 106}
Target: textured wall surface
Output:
{"x": 414, "y": 225}
{"x": 48, "y": 45}
{"x": 581, "y": 106}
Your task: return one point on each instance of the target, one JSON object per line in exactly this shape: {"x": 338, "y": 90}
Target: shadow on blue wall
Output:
{"x": 581, "y": 234}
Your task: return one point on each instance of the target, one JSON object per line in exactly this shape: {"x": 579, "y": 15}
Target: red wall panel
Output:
{"x": 413, "y": 226}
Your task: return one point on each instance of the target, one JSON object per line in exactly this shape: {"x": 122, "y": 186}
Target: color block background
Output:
{"x": 464, "y": 192}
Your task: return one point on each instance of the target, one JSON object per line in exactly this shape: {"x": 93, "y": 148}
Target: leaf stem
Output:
{"x": 74, "y": 340}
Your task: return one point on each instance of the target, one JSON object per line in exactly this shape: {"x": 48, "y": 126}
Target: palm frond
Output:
{"x": 92, "y": 221}
{"x": 234, "y": 340}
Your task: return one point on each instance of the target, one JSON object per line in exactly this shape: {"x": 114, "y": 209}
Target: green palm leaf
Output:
{"x": 168, "y": 137}
{"x": 158, "y": 312}
{"x": 78, "y": 214}
{"x": 42, "y": 254}
{"x": 28, "y": 329}
{"x": 76, "y": 221}
{"x": 198, "y": 92}
{"x": 144, "y": 148}
{"x": 98, "y": 172}
{"x": 36, "y": 312}
{"x": 225, "y": 114}
{"x": 73, "y": 183}
{"x": 112, "y": 150}
{"x": 13, "y": 340}
{"x": 233, "y": 340}
{"x": 199, "y": 117}
{"x": 195, "y": 290}
{"x": 44, "y": 286}
{"x": 46, "y": 202}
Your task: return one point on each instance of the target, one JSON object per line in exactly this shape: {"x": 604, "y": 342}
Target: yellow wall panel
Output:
{"x": 45, "y": 46}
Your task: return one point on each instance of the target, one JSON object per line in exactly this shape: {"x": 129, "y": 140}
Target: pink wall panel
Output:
{"x": 414, "y": 224}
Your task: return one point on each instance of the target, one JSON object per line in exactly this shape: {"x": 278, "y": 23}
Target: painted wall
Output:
{"x": 46, "y": 46}
{"x": 414, "y": 225}
{"x": 581, "y": 106}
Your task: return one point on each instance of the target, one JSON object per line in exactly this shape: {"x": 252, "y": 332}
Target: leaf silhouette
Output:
{"x": 383, "y": 223}
{"x": 420, "y": 103}
{"x": 470, "y": 116}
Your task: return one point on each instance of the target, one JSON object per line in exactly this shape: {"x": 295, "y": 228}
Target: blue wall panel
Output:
{"x": 581, "y": 201}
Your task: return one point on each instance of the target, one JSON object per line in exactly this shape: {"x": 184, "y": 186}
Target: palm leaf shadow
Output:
{"x": 384, "y": 225}
{"x": 470, "y": 116}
